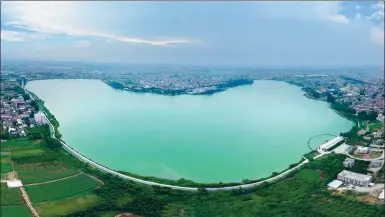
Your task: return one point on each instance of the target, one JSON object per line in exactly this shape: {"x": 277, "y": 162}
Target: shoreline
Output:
{"x": 160, "y": 181}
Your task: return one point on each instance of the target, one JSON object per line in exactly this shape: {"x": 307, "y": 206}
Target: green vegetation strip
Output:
{"x": 68, "y": 205}
{"x": 48, "y": 174}
{"x": 62, "y": 188}
{"x": 6, "y": 167}
{"x": 308, "y": 175}
{"x": 10, "y": 196}
{"x": 15, "y": 211}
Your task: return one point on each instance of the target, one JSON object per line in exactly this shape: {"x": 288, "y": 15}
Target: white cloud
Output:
{"x": 338, "y": 18}
{"x": 310, "y": 11}
{"x": 358, "y": 16}
{"x": 377, "y": 35}
{"x": 378, "y": 13}
{"x": 15, "y": 36}
{"x": 83, "y": 44}
{"x": 70, "y": 18}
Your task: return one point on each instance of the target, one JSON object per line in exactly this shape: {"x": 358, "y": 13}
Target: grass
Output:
{"x": 375, "y": 154}
{"x": 19, "y": 143}
{"x": 67, "y": 206}
{"x": 36, "y": 166}
{"x": 375, "y": 127}
{"x": 27, "y": 152}
{"x": 10, "y": 196}
{"x": 61, "y": 189}
{"x": 308, "y": 175}
{"x": 46, "y": 174}
{"x": 6, "y": 167}
{"x": 15, "y": 211}
{"x": 108, "y": 213}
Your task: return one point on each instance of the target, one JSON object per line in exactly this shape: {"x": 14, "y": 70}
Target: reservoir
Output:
{"x": 246, "y": 132}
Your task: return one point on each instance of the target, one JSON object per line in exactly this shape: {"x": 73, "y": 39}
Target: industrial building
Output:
{"x": 354, "y": 178}
{"x": 328, "y": 145}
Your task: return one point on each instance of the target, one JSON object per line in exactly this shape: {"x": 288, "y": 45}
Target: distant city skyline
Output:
{"x": 276, "y": 34}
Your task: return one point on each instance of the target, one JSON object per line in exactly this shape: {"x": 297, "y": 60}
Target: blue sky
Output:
{"x": 203, "y": 33}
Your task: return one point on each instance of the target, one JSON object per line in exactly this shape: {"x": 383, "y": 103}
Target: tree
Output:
{"x": 53, "y": 143}
{"x": 330, "y": 98}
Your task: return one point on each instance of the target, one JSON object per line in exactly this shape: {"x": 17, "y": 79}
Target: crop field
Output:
{"x": 19, "y": 143}
{"x": 66, "y": 206}
{"x": 62, "y": 188}
{"x": 15, "y": 211}
{"x": 10, "y": 196}
{"x": 308, "y": 175}
{"x": 36, "y": 166}
{"x": 46, "y": 174}
{"x": 6, "y": 167}
{"x": 27, "y": 152}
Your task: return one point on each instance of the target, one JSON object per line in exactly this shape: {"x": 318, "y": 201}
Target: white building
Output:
{"x": 381, "y": 197}
{"x": 14, "y": 183}
{"x": 348, "y": 163}
{"x": 326, "y": 146}
{"x": 354, "y": 178}
{"x": 362, "y": 150}
{"x": 40, "y": 118}
{"x": 335, "y": 184}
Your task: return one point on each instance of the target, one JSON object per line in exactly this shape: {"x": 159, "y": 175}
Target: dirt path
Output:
{"x": 39, "y": 183}
{"x": 28, "y": 202}
{"x": 96, "y": 179}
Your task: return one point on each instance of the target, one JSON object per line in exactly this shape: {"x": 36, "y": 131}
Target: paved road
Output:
{"x": 112, "y": 172}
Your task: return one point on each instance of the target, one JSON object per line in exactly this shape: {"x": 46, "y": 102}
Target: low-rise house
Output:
{"x": 354, "y": 178}
{"x": 348, "y": 163}
{"x": 362, "y": 150}
{"x": 378, "y": 134}
{"x": 376, "y": 164}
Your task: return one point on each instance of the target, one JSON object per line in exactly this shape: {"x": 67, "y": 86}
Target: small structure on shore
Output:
{"x": 330, "y": 144}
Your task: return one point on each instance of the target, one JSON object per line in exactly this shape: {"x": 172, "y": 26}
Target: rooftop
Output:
{"x": 14, "y": 183}
{"x": 332, "y": 142}
{"x": 355, "y": 176}
{"x": 335, "y": 184}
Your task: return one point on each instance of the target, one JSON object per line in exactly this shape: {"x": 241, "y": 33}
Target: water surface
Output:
{"x": 245, "y": 132}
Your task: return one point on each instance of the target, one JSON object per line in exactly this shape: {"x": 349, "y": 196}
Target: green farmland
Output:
{"x": 62, "y": 188}
{"x": 66, "y": 206}
{"x": 15, "y": 211}
{"x": 6, "y": 167}
{"x": 47, "y": 174}
{"x": 10, "y": 196}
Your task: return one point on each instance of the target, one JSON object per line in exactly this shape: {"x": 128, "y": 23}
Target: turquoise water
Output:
{"x": 246, "y": 132}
